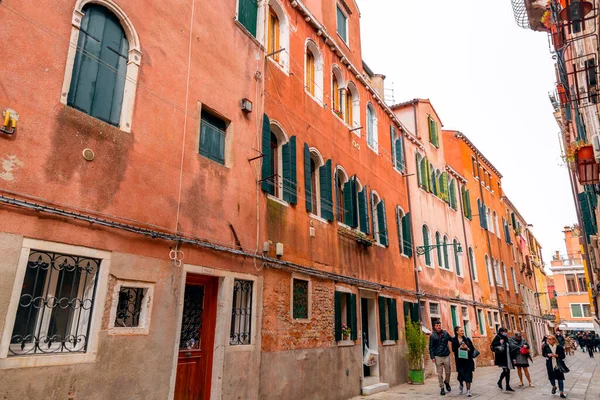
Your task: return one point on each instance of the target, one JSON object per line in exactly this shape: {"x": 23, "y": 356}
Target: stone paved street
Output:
{"x": 582, "y": 383}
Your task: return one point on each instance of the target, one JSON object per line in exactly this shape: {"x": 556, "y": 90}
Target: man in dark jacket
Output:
{"x": 560, "y": 338}
{"x": 440, "y": 355}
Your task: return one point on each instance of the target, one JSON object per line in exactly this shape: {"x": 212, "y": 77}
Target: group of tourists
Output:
{"x": 588, "y": 341}
{"x": 509, "y": 353}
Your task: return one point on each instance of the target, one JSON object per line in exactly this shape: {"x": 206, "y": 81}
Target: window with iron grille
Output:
{"x": 212, "y": 137}
{"x": 129, "y": 306}
{"x": 241, "y": 313}
{"x": 55, "y": 305}
{"x": 300, "y": 299}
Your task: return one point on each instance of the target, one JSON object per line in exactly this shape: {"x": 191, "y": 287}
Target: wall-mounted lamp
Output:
{"x": 246, "y": 105}
{"x": 9, "y": 121}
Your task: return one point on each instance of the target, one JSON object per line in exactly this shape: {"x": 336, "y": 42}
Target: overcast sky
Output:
{"x": 487, "y": 78}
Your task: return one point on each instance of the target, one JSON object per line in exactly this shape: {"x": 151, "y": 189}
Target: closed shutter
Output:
{"x": 438, "y": 248}
{"x": 290, "y": 183}
{"x": 399, "y": 226}
{"x": 393, "y": 310}
{"x": 429, "y": 177}
{"x": 307, "y": 180}
{"x": 337, "y": 306}
{"x": 338, "y": 207}
{"x": 382, "y": 330}
{"x": 326, "y": 195}
{"x": 446, "y": 261}
{"x": 444, "y": 188}
{"x": 382, "y": 223}
{"x": 408, "y": 250}
{"x": 248, "y": 14}
{"x": 414, "y": 312}
{"x": 363, "y": 211}
{"x": 99, "y": 71}
{"x": 426, "y": 244}
{"x": 373, "y": 212}
{"x": 353, "y": 318}
{"x": 406, "y": 308}
{"x": 392, "y": 141}
{"x": 267, "y": 160}
{"x": 468, "y": 204}
{"x": 454, "y": 320}
{"x": 514, "y": 222}
{"x": 399, "y": 155}
{"x": 586, "y": 215}
{"x": 350, "y": 210}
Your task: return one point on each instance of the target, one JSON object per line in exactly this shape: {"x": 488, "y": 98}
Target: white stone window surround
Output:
{"x": 133, "y": 61}
{"x": 143, "y": 327}
{"x": 95, "y": 321}
{"x": 282, "y": 138}
{"x": 312, "y": 47}
{"x": 284, "y": 33}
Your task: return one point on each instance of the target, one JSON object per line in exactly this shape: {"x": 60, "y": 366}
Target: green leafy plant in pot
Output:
{"x": 416, "y": 341}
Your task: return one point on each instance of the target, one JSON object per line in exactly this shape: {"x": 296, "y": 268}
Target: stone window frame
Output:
{"x": 145, "y": 313}
{"x": 95, "y": 321}
{"x": 133, "y": 61}
{"x": 309, "y": 315}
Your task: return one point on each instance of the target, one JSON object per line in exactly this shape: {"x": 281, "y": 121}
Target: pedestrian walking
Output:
{"x": 560, "y": 338}
{"x": 463, "y": 349}
{"x": 581, "y": 341}
{"x": 440, "y": 355}
{"x": 554, "y": 354}
{"x": 519, "y": 350}
{"x": 598, "y": 342}
{"x": 590, "y": 344}
{"x": 568, "y": 346}
{"x": 502, "y": 358}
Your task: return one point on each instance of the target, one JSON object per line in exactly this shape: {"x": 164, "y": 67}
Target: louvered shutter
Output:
{"x": 98, "y": 79}
{"x": 406, "y": 237}
{"x": 326, "y": 195}
{"x": 382, "y": 223}
{"x": 399, "y": 155}
{"x": 350, "y": 208}
{"x": 418, "y": 169}
{"x": 354, "y": 318}
{"x": 444, "y": 188}
{"x": 307, "y": 180}
{"x": 338, "y": 206}
{"x": 373, "y": 212}
{"x": 363, "y": 211}
{"x": 290, "y": 184}
{"x": 399, "y": 226}
{"x": 267, "y": 160}
{"x": 393, "y": 309}
{"x": 382, "y": 330}
{"x": 248, "y": 14}
{"x": 468, "y": 203}
{"x": 586, "y": 215}
{"x": 337, "y": 306}
{"x": 392, "y": 140}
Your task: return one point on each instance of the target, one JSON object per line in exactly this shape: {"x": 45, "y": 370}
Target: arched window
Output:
{"x": 473, "y": 265}
{"x": 109, "y": 52}
{"x": 438, "y": 243}
{"x": 426, "y": 243}
{"x": 496, "y": 224}
{"x": 337, "y": 84}
{"x": 279, "y": 145}
{"x": 397, "y": 150}
{"x": 372, "y": 135}
{"x": 278, "y": 34}
{"x": 316, "y": 161}
{"x": 351, "y": 106}
{"x": 506, "y": 284}
{"x": 340, "y": 180}
{"x": 274, "y": 34}
{"x": 446, "y": 258}
{"x": 488, "y": 269}
{"x": 375, "y": 200}
{"x": 497, "y": 272}
{"x": 457, "y": 264}
{"x": 313, "y": 71}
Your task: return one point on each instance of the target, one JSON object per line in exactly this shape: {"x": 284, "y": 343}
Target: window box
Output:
{"x": 357, "y": 236}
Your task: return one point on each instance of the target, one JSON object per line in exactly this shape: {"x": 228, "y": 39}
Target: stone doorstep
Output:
{"x": 376, "y": 388}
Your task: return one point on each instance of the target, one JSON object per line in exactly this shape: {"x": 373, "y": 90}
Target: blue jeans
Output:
{"x": 561, "y": 384}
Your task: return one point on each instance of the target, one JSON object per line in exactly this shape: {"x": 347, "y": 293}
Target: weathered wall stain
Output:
{"x": 10, "y": 163}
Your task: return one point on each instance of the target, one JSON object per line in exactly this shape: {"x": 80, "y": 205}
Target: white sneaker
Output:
{"x": 460, "y": 389}
{"x": 468, "y": 393}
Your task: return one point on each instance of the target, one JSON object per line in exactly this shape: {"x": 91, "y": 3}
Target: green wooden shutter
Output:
{"x": 444, "y": 188}
{"x": 326, "y": 195}
{"x": 438, "y": 248}
{"x": 382, "y": 332}
{"x": 428, "y": 176}
{"x": 418, "y": 169}
{"x": 586, "y": 215}
{"x": 446, "y": 261}
{"x": 392, "y": 307}
{"x": 373, "y": 212}
{"x": 414, "y": 312}
{"x": 454, "y": 319}
{"x": 408, "y": 250}
{"x": 426, "y": 244}
{"x": 399, "y": 155}
{"x": 99, "y": 71}
{"x": 307, "y": 180}
{"x": 363, "y": 211}
{"x": 468, "y": 203}
{"x": 248, "y": 14}
{"x": 267, "y": 160}
{"x": 354, "y": 318}
{"x": 406, "y": 307}
{"x": 338, "y": 206}
{"x": 392, "y": 140}
{"x": 456, "y": 258}
{"x": 382, "y": 223}
{"x": 514, "y": 221}
{"x": 430, "y": 121}
{"x": 434, "y": 183}
{"x": 399, "y": 227}
{"x": 350, "y": 211}
{"x": 290, "y": 184}
{"x": 337, "y": 306}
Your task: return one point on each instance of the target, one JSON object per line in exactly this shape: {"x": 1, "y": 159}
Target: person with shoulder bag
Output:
{"x": 556, "y": 368}
{"x": 464, "y": 355}
{"x": 519, "y": 349}
{"x": 502, "y": 358}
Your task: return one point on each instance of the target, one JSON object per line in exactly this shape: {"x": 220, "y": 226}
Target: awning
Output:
{"x": 577, "y": 325}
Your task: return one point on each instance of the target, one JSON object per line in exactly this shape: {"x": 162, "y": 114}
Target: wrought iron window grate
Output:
{"x": 241, "y": 313}
{"x": 56, "y": 304}
{"x": 300, "y": 299}
{"x": 129, "y": 307}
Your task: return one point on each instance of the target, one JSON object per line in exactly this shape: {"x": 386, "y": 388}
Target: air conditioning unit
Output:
{"x": 596, "y": 146}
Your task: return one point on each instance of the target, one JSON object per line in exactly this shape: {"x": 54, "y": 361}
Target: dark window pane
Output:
{"x": 129, "y": 307}
{"x": 300, "y": 299}
{"x": 241, "y": 313}
{"x": 191, "y": 320}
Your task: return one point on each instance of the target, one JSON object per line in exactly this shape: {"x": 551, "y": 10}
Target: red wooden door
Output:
{"x": 194, "y": 361}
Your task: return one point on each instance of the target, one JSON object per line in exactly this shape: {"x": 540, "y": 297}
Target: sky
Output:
{"x": 487, "y": 78}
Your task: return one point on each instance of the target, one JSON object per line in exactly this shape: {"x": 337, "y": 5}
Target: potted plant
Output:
{"x": 346, "y": 332}
{"x": 416, "y": 343}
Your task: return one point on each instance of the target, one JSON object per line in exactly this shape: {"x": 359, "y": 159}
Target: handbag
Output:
{"x": 464, "y": 354}
{"x": 476, "y": 353}
{"x": 562, "y": 367}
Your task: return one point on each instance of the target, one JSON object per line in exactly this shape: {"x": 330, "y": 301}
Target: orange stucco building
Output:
{"x": 229, "y": 199}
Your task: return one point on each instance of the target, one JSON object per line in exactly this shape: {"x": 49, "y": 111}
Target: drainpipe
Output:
{"x": 487, "y": 235}
{"x": 412, "y": 231}
{"x": 466, "y": 248}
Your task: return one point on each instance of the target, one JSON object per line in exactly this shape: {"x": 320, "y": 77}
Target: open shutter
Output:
{"x": 399, "y": 226}
{"x": 290, "y": 184}
{"x": 444, "y": 188}
{"x": 468, "y": 204}
{"x": 586, "y": 215}
{"x": 338, "y": 207}
{"x": 248, "y": 15}
{"x": 353, "y": 318}
{"x": 267, "y": 160}
{"x": 373, "y": 212}
{"x": 307, "y": 180}
{"x": 382, "y": 332}
{"x": 326, "y": 195}
{"x": 414, "y": 312}
{"x": 514, "y": 221}
{"x": 382, "y": 223}
{"x": 399, "y": 155}
{"x": 363, "y": 211}
{"x": 428, "y": 175}
{"x": 408, "y": 250}
{"x": 337, "y": 306}
{"x": 392, "y": 140}
{"x": 392, "y": 307}
{"x": 350, "y": 210}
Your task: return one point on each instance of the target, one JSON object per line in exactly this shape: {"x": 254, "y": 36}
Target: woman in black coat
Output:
{"x": 502, "y": 357}
{"x": 554, "y": 355}
{"x": 464, "y": 366}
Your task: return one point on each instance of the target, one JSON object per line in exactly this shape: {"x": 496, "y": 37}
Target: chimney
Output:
{"x": 377, "y": 83}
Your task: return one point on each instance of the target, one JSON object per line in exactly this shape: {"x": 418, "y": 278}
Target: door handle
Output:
{"x": 188, "y": 354}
